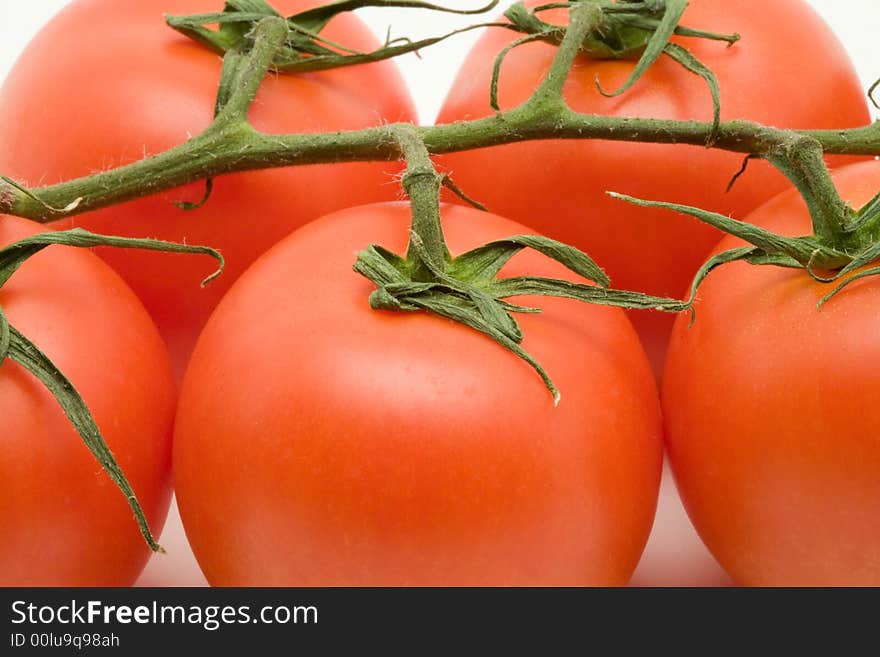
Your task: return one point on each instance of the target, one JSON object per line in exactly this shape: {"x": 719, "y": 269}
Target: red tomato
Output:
{"x": 771, "y": 414}
{"x": 320, "y": 442}
{"x": 786, "y": 53}
{"x": 63, "y": 521}
{"x": 75, "y": 104}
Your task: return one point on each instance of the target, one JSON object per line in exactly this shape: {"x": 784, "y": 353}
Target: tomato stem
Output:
{"x": 231, "y": 144}
{"x": 422, "y": 184}
{"x": 248, "y": 72}
{"x": 800, "y": 159}
{"x": 585, "y": 18}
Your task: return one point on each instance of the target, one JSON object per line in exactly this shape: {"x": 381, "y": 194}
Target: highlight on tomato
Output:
{"x": 320, "y": 442}
{"x": 63, "y": 521}
{"x": 771, "y": 417}
{"x": 143, "y": 88}
{"x": 785, "y": 55}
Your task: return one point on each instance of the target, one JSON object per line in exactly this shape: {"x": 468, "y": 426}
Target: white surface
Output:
{"x": 674, "y": 555}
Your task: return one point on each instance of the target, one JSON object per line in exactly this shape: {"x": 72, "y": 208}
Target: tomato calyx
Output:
{"x": 836, "y": 259}
{"x": 305, "y": 49}
{"x": 631, "y": 29}
{"x": 467, "y": 288}
{"x": 18, "y": 348}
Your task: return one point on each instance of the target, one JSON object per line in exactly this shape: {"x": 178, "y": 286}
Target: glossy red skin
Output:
{"x": 786, "y": 55}
{"x": 771, "y": 417}
{"x": 75, "y": 104}
{"x": 320, "y": 442}
{"x": 63, "y": 521}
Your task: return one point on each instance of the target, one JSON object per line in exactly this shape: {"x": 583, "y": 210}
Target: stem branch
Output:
{"x": 800, "y": 158}
{"x": 237, "y": 147}
{"x": 584, "y": 19}
{"x": 270, "y": 35}
{"x": 231, "y": 144}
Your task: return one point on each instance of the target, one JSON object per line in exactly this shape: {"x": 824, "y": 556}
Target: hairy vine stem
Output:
{"x": 231, "y": 144}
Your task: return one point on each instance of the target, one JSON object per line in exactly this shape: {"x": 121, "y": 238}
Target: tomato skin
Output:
{"x": 320, "y": 442}
{"x": 771, "y": 415}
{"x": 559, "y": 188}
{"x": 63, "y": 521}
{"x": 142, "y": 88}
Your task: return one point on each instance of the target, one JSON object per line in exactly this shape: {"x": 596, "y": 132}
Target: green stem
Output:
{"x": 801, "y": 160}
{"x": 422, "y": 184}
{"x": 584, "y": 19}
{"x": 231, "y": 144}
{"x": 237, "y": 147}
{"x": 269, "y": 35}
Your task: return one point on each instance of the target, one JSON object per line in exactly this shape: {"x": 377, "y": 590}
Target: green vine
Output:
{"x": 254, "y": 39}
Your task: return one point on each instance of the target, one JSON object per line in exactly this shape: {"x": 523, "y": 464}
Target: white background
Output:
{"x": 856, "y": 22}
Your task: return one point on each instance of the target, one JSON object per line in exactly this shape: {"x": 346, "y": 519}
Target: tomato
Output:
{"x": 771, "y": 416}
{"x": 558, "y": 187}
{"x": 63, "y": 521}
{"x": 320, "y": 442}
{"x": 135, "y": 87}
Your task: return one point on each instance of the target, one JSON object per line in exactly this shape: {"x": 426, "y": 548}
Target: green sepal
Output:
{"x": 681, "y": 30}
{"x": 18, "y": 348}
{"x": 5, "y": 337}
{"x": 599, "y": 296}
{"x": 14, "y": 255}
{"x": 482, "y": 264}
{"x": 25, "y": 353}
{"x": 874, "y": 271}
{"x": 305, "y": 50}
{"x": 458, "y": 310}
{"x": 805, "y": 250}
{"x": 316, "y": 19}
{"x": 866, "y": 257}
{"x": 867, "y": 220}
{"x": 233, "y": 27}
{"x": 749, "y": 254}
{"x": 656, "y": 44}
{"x": 499, "y": 61}
{"x": 488, "y": 308}
{"x": 466, "y": 289}
{"x": 690, "y": 63}
{"x": 867, "y": 227}
{"x": 769, "y": 248}
{"x": 291, "y": 61}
